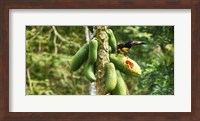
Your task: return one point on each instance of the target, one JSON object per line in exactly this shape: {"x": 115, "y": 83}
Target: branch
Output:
{"x": 55, "y": 45}
{"x": 87, "y": 36}
{"x": 36, "y": 34}
{"x": 29, "y": 79}
{"x": 57, "y": 34}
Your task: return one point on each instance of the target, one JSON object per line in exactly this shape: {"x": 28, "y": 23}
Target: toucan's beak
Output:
{"x": 138, "y": 43}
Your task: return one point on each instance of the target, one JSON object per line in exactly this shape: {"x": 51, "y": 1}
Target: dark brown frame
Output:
{"x": 5, "y": 115}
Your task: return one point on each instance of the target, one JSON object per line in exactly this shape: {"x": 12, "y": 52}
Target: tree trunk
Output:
{"x": 102, "y": 59}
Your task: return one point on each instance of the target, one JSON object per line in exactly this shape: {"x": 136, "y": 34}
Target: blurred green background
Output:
{"x": 49, "y": 50}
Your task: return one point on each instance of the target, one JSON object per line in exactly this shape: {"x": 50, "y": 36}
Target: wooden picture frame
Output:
{"x": 5, "y": 6}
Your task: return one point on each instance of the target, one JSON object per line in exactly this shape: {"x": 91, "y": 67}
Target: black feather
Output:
{"x": 124, "y": 48}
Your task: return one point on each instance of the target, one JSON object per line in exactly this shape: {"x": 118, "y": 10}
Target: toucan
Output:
{"x": 125, "y": 47}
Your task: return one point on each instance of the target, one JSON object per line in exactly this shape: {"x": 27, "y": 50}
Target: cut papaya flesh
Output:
{"x": 129, "y": 64}
{"x": 125, "y": 64}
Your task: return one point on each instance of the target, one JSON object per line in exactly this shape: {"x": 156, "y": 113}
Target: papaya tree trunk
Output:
{"x": 102, "y": 59}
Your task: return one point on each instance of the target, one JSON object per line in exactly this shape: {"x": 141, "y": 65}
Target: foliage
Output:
{"x": 49, "y": 51}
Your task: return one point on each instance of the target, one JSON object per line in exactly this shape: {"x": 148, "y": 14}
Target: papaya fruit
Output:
{"x": 80, "y": 57}
{"x": 110, "y": 77}
{"x": 127, "y": 91}
{"x": 93, "y": 46}
{"x": 109, "y": 49}
{"x": 89, "y": 71}
{"x": 125, "y": 65}
{"x": 121, "y": 88}
{"x": 112, "y": 41}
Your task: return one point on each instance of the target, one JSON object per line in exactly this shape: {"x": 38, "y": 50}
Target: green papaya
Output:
{"x": 80, "y": 57}
{"x": 93, "y": 46}
{"x": 127, "y": 91}
{"x": 109, "y": 49}
{"x": 121, "y": 88}
{"x": 89, "y": 71}
{"x": 112, "y": 41}
{"x": 110, "y": 77}
{"x": 125, "y": 65}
